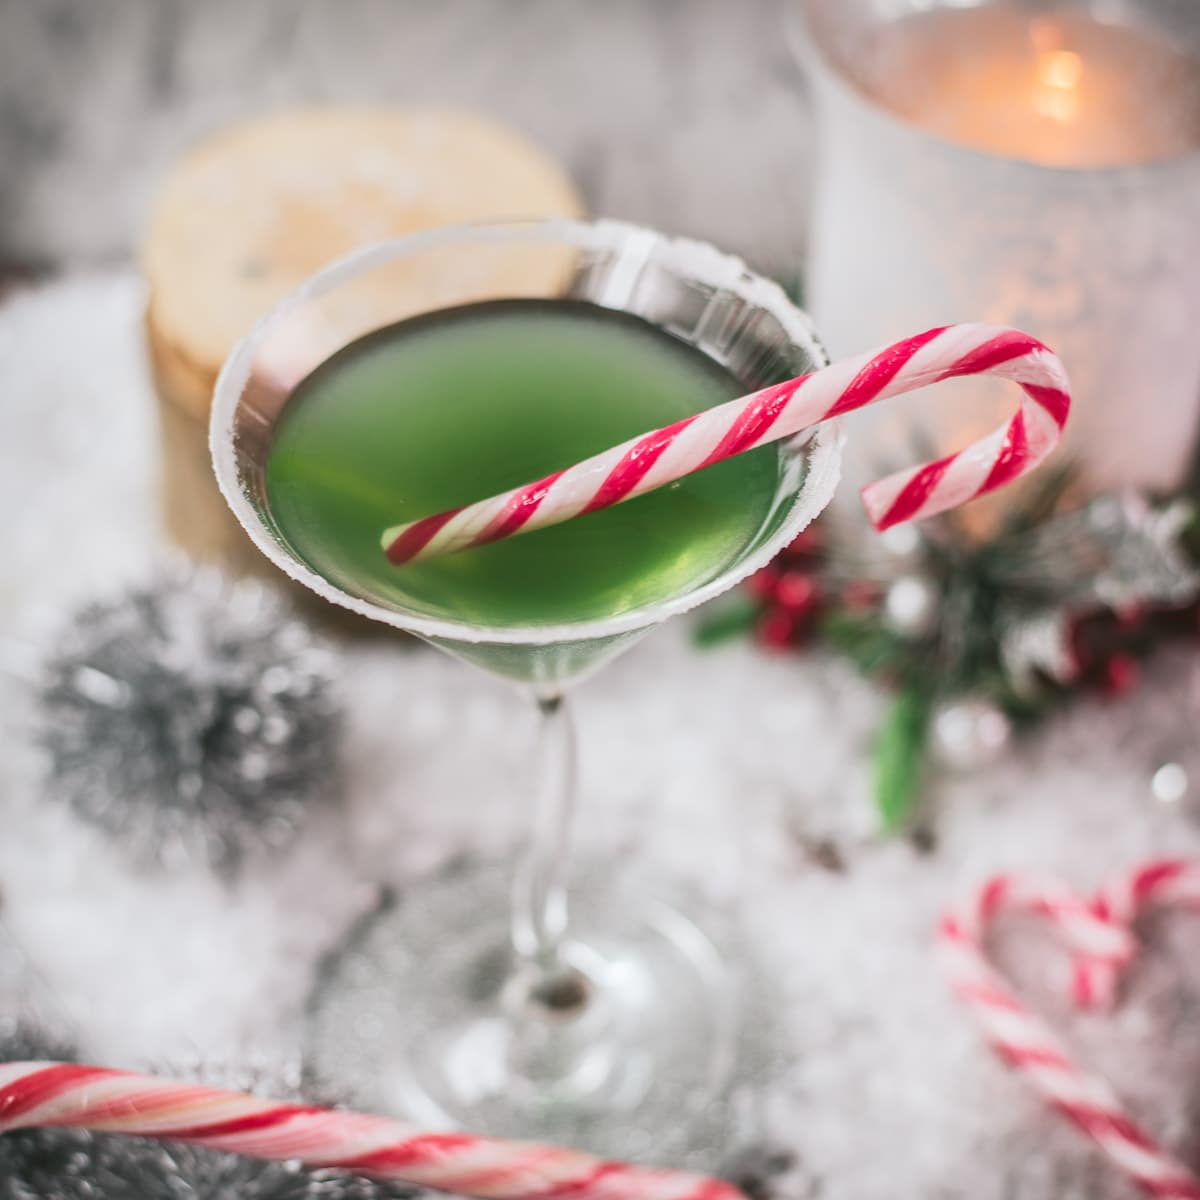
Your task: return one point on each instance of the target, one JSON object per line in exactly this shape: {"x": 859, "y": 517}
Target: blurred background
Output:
{"x": 680, "y": 113}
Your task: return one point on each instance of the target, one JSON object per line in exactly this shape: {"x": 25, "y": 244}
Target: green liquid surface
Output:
{"x": 452, "y": 407}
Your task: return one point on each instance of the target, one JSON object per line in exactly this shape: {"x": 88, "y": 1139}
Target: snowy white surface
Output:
{"x": 719, "y": 768}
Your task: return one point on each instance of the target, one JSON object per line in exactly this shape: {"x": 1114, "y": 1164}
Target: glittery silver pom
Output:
{"x": 190, "y": 717}
{"x": 20, "y": 1042}
{"x": 134, "y": 1169}
{"x": 72, "y": 1164}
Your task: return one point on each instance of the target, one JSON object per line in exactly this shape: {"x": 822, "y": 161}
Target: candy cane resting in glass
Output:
{"x": 546, "y": 1023}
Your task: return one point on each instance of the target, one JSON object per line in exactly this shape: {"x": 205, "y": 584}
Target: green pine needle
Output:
{"x": 900, "y": 756}
{"x": 723, "y": 621}
{"x": 873, "y": 648}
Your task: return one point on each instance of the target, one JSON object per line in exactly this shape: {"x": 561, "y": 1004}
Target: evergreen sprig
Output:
{"x": 987, "y": 588}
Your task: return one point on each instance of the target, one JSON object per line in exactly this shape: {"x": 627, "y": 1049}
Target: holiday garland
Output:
{"x": 973, "y": 636}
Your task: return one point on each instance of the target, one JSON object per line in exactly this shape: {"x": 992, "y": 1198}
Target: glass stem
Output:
{"x": 539, "y": 916}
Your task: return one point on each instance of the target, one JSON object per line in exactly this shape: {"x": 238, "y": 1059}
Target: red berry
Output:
{"x": 763, "y": 582}
{"x": 776, "y": 628}
{"x": 797, "y": 592}
{"x": 1079, "y": 642}
{"x": 1120, "y": 673}
{"x": 1132, "y": 616}
{"x": 807, "y": 542}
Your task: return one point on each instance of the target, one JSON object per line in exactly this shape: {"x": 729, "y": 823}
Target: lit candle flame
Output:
{"x": 1057, "y": 72}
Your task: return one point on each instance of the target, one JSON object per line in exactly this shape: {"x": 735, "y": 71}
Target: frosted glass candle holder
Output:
{"x": 920, "y": 219}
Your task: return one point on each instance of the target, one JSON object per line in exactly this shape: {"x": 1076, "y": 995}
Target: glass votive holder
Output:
{"x": 1025, "y": 162}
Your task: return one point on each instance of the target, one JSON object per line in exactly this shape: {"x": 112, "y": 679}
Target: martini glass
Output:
{"x": 486, "y": 1001}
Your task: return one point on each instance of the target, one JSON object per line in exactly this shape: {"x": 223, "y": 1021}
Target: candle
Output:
{"x": 1034, "y": 165}
{"x": 1061, "y": 89}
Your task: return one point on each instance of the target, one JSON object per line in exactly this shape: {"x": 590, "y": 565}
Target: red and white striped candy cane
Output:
{"x": 780, "y": 411}
{"x": 1100, "y": 934}
{"x": 108, "y": 1101}
{"x": 1169, "y": 882}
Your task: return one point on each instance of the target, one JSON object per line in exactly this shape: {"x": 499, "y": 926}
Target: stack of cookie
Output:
{"x": 252, "y": 211}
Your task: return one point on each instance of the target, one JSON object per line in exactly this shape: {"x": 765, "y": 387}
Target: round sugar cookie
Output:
{"x": 252, "y": 211}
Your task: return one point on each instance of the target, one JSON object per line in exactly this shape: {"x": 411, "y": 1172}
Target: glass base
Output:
{"x": 625, "y": 1048}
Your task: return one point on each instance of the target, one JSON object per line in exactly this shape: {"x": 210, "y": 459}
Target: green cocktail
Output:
{"x": 448, "y": 408}
{"x": 421, "y": 375}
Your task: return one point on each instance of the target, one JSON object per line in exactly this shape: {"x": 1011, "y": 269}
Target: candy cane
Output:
{"x": 1100, "y": 934}
{"x": 1167, "y": 882}
{"x": 108, "y": 1101}
{"x": 780, "y": 411}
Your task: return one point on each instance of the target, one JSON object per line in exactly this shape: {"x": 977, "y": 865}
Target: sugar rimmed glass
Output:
{"x": 623, "y": 1018}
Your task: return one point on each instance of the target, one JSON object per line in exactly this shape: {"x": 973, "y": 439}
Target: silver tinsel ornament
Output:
{"x": 73, "y": 1164}
{"x": 77, "y": 1165}
{"x": 21, "y": 1042}
{"x": 190, "y": 717}
{"x": 969, "y": 733}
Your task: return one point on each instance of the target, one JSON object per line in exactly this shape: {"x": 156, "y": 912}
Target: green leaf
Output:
{"x": 729, "y": 619}
{"x": 900, "y": 756}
